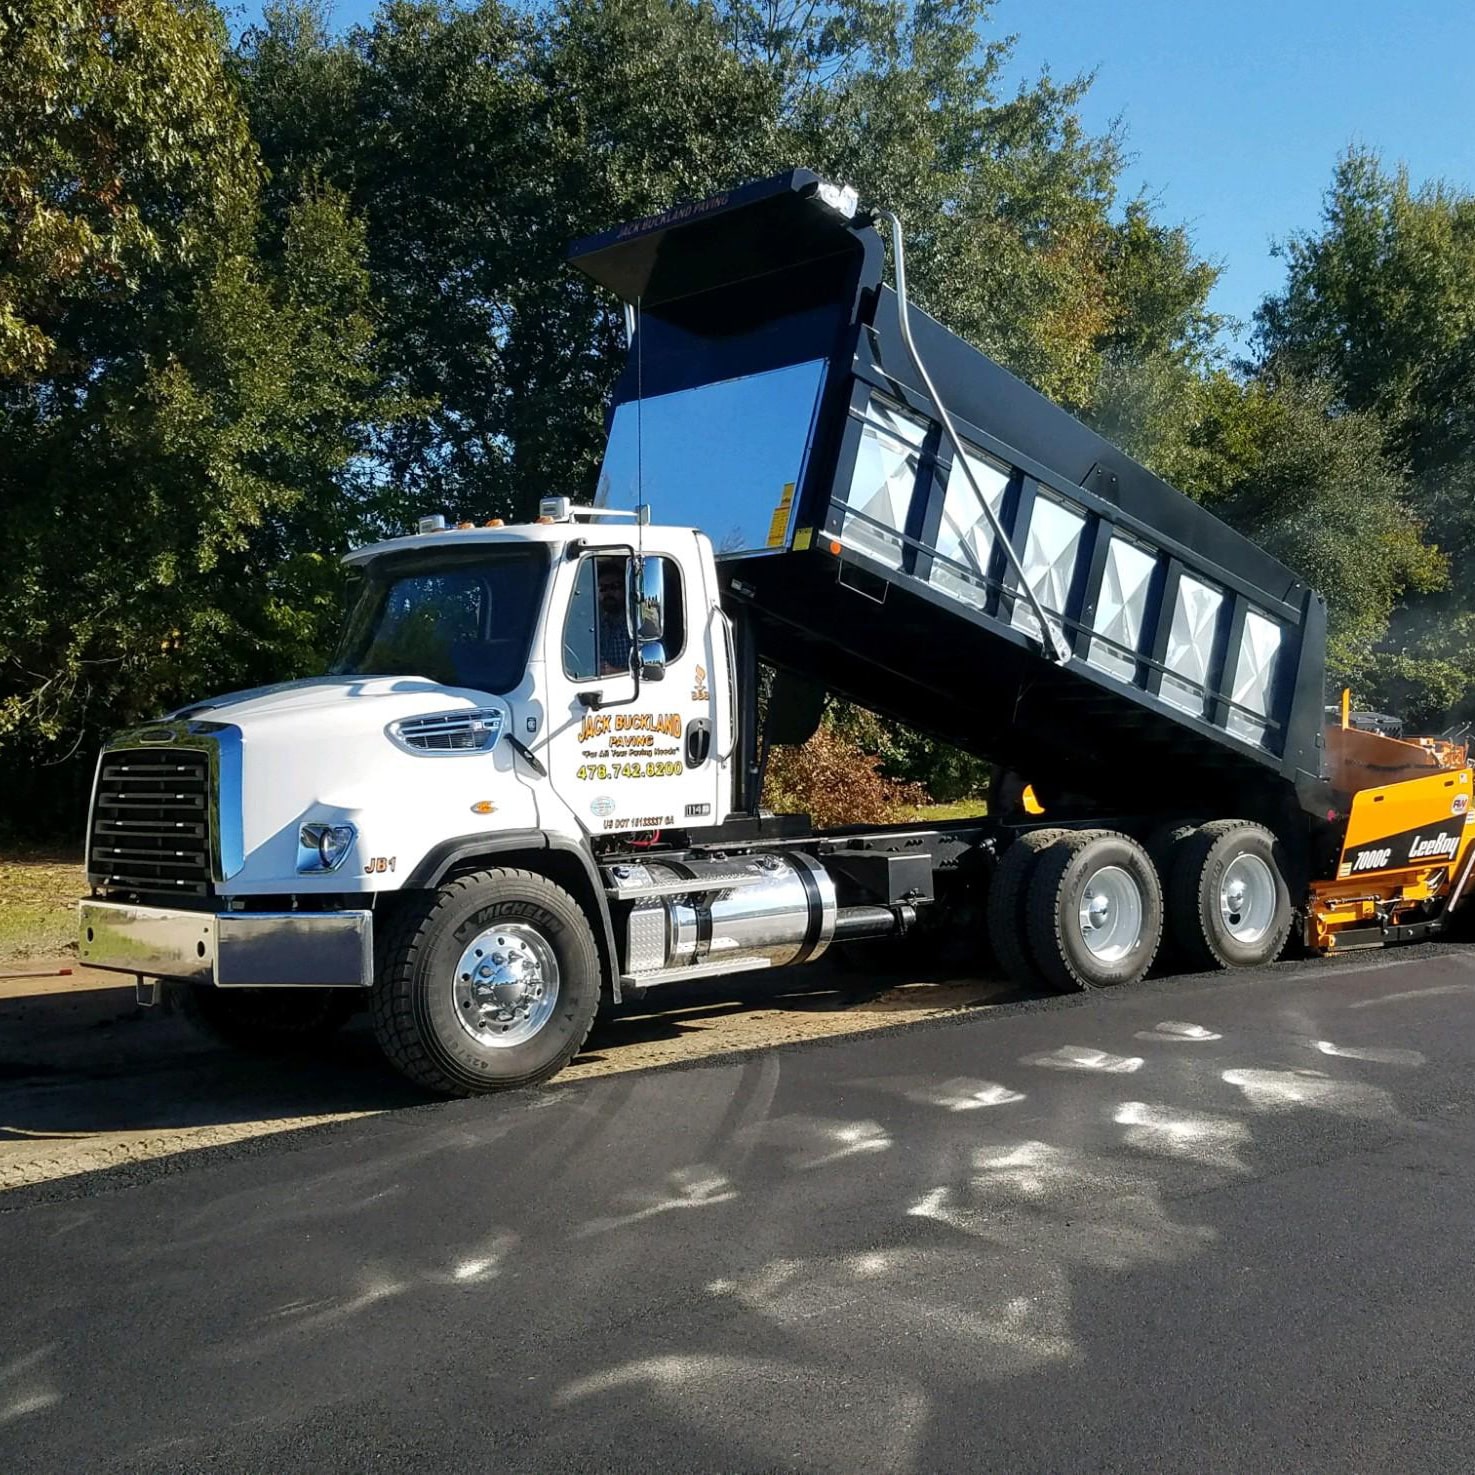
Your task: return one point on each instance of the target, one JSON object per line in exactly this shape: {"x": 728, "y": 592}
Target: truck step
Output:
{"x": 697, "y": 970}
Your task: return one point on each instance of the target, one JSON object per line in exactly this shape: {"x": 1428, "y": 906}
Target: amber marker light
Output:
{"x": 483, "y": 806}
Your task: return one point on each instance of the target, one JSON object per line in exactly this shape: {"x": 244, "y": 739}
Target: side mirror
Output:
{"x": 648, "y": 600}
{"x": 652, "y": 660}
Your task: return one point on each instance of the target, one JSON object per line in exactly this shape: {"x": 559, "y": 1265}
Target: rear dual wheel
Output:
{"x": 1008, "y": 896}
{"x": 1086, "y": 908}
{"x": 1095, "y": 911}
{"x": 1075, "y": 909}
{"x": 1228, "y": 902}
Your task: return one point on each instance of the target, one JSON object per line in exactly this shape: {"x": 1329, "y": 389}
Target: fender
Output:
{"x": 442, "y": 858}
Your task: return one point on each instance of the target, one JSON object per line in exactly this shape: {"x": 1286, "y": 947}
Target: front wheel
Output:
{"x": 492, "y": 983}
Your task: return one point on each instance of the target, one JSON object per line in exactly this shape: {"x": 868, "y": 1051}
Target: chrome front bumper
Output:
{"x": 229, "y": 949}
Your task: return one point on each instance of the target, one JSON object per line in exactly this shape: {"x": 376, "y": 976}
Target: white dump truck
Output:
{"x": 531, "y": 782}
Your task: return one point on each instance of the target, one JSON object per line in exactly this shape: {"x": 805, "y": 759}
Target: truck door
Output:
{"x": 625, "y": 751}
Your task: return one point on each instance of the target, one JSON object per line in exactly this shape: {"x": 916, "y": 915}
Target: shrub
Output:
{"x": 833, "y": 780}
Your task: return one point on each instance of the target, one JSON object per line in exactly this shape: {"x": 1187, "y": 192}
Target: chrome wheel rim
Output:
{"x": 505, "y": 987}
{"x": 1247, "y": 898}
{"x": 1110, "y": 914}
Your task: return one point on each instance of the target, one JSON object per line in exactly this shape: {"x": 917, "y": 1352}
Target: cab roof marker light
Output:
{"x": 841, "y": 198}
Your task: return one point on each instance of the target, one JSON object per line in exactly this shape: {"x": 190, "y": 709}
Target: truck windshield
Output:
{"x": 465, "y": 620}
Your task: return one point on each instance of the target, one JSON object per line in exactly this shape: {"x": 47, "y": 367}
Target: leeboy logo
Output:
{"x": 1438, "y": 846}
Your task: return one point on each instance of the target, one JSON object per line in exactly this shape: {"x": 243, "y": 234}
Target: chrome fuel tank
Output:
{"x": 765, "y": 909}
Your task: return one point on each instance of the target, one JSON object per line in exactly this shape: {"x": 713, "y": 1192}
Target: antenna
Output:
{"x": 639, "y": 428}
{"x": 640, "y": 510}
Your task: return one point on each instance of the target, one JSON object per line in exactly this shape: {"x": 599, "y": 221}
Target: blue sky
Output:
{"x": 1235, "y": 113}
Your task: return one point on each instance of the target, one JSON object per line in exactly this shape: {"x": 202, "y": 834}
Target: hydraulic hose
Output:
{"x": 1053, "y": 644}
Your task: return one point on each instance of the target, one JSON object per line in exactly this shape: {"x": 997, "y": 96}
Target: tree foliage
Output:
{"x": 477, "y": 142}
{"x": 1380, "y": 305}
{"x": 836, "y": 781}
{"x": 1278, "y": 461}
{"x": 259, "y": 300}
{"x": 184, "y": 405}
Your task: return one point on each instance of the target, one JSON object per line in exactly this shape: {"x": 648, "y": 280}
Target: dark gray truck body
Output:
{"x": 769, "y": 400}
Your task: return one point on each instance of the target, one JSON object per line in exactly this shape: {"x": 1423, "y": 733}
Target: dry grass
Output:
{"x": 38, "y": 901}
{"x": 963, "y": 809}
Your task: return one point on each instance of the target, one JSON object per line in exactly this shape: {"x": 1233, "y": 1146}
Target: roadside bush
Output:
{"x": 948, "y": 774}
{"x": 835, "y": 782}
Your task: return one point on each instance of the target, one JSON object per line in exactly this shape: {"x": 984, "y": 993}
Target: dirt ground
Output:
{"x": 38, "y": 900}
{"x": 89, "y": 1080}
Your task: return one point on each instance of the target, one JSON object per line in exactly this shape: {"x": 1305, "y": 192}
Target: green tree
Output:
{"x": 477, "y": 143}
{"x": 185, "y": 417}
{"x": 1279, "y": 461}
{"x": 1381, "y": 303}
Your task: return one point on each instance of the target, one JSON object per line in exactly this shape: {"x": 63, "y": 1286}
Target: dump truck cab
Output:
{"x": 603, "y": 644}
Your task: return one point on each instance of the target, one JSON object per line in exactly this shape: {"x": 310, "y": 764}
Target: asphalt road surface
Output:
{"x": 1199, "y": 1225}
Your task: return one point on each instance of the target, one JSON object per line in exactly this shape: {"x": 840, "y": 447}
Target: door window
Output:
{"x": 597, "y": 637}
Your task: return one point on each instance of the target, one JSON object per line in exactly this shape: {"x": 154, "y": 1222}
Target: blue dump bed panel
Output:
{"x": 769, "y": 400}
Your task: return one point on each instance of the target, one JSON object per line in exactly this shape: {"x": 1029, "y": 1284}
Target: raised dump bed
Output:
{"x": 770, "y": 401}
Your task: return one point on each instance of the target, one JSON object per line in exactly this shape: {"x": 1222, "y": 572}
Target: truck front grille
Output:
{"x": 151, "y": 822}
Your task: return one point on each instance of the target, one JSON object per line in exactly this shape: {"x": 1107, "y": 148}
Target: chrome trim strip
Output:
{"x": 470, "y": 720}
{"x": 295, "y": 949}
{"x": 155, "y": 942}
{"x": 696, "y": 970}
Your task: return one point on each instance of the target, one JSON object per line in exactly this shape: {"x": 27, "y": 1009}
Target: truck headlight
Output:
{"x": 323, "y": 847}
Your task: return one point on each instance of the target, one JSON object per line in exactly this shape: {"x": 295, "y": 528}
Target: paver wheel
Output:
{"x": 1006, "y": 905}
{"x": 1095, "y": 910}
{"x": 1228, "y": 903}
{"x": 493, "y": 982}
{"x": 269, "y": 1021}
